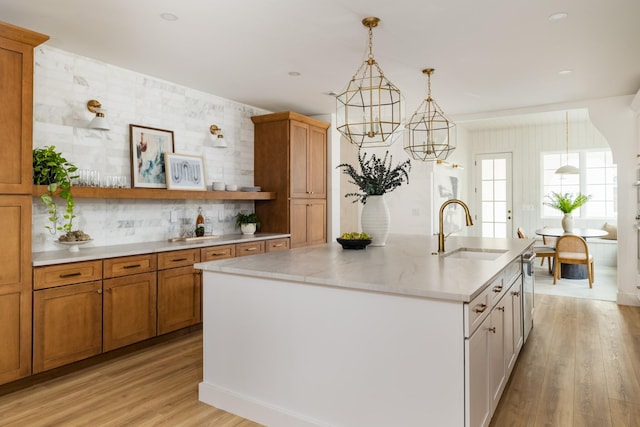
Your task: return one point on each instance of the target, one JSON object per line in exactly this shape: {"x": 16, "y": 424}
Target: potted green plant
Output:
{"x": 566, "y": 203}
{"x": 50, "y": 168}
{"x": 377, "y": 177}
{"x": 247, "y": 222}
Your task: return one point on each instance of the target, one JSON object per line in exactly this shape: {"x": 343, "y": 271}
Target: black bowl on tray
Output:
{"x": 354, "y": 243}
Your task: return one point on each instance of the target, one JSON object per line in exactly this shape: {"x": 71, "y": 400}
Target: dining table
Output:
{"x": 572, "y": 271}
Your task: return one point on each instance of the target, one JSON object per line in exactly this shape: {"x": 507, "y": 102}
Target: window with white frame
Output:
{"x": 597, "y": 178}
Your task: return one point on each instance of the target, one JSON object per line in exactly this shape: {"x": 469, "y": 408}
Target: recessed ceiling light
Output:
{"x": 558, "y": 16}
{"x": 168, "y": 16}
{"x": 565, "y": 72}
{"x": 294, "y": 73}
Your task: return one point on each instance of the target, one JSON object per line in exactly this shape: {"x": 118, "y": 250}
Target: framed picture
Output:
{"x": 184, "y": 172}
{"x": 148, "y": 147}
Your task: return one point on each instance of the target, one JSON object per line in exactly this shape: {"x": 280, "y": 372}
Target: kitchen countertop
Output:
{"x": 91, "y": 252}
{"x": 405, "y": 266}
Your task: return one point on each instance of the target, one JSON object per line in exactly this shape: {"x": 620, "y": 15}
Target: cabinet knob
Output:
{"x": 492, "y": 329}
{"x": 515, "y": 293}
{"x": 99, "y": 291}
{"x": 501, "y": 308}
{"x": 481, "y": 308}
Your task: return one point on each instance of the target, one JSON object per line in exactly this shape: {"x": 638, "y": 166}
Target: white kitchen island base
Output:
{"x": 291, "y": 354}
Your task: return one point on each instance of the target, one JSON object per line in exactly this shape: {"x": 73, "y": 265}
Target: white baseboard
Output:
{"x": 628, "y": 299}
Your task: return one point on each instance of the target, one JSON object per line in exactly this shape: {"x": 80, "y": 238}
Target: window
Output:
{"x": 598, "y": 178}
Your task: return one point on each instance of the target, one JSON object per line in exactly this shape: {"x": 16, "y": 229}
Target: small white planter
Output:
{"x": 248, "y": 228}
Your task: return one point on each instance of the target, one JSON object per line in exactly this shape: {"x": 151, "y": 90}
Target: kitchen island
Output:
{"x": 323, "y": 336}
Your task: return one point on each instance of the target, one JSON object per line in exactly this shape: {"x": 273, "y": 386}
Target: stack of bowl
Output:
{"x": 218, "y": 186}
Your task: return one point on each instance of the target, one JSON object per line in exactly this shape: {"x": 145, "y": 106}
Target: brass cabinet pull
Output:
{"x": 251, "y": 249}
{"x": 99, "y": 291}
{"x": 178, "y": 259}
{"x": 497, "y": 289}
{"x": 492, "y": 329}
{"x": 501, "y": 308}
{"x": 279, "y": 245}
{"x": 218, "y": 253}
{"x": 64, "y": 276}
{"x": 481, "y": 308}
{"x": 132, "y": 266}
{"x": 515, "y": 293}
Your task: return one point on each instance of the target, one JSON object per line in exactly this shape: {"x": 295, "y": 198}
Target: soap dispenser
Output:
{"x": 199, "y": 223}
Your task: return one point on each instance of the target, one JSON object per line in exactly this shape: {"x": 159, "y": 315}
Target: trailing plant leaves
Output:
{"x": 566, "y": 203}
{"x": 377, "y": 176}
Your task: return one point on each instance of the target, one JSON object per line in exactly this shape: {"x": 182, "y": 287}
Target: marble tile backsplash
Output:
{"x": 64, "y": 82}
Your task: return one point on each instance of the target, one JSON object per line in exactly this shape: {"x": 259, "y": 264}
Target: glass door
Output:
{"x": 493, "y": 194}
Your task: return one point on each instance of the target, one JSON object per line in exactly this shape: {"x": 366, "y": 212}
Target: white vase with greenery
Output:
{"x": 566, "y": 204}
{"x": 376, "y": 178}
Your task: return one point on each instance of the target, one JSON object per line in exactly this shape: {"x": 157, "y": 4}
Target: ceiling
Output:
{"x": 489, "y": 55}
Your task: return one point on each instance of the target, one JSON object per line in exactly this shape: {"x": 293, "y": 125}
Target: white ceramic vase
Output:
{"x": 567, "y": 223}
{"x": 248, "y": 228}
{"x": 375, "y": 220}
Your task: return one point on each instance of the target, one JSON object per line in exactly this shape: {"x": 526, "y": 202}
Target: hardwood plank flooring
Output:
{"x": 580, "y": 367}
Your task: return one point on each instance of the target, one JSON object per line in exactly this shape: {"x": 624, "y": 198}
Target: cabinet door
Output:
{"x": 15, "y": 288}
{"x": 16, "y": 110}
{"x": 129, "y": 311}
{"x": 317, "y": 163}
{"x": 67, "y": 324}
{"x": 478, "y": 402}
{"x": 497, "y": 376}
{"x": 317, "y": 222}
{"x": 178, "y": 299}
{"x": 517, "y": 321}
{"x": 299, "y": 155}
{"x": 299, "y": 223}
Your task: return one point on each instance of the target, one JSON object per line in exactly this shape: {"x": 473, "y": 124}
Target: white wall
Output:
{"x": 64, "y": 82}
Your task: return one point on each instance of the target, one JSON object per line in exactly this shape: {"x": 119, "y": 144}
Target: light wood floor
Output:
{"x": 580, "y": 367}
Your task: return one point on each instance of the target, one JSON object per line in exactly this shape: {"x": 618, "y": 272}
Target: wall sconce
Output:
{"x": 98, "y": 122}
{"x": 217, "y": 137}
{"x": 452, "y": 165}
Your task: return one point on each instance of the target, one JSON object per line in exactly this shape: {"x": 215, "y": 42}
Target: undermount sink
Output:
{"x": 475, "y": 253}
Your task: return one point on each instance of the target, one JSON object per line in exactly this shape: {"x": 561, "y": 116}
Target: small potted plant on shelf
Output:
{"x": 566, "y": 203}
{"x": 247, "y": 222}
{"x": 50, "y": 168}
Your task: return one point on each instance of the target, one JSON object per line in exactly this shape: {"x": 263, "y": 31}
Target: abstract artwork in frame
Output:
{"x": 148, "y": 148}
{"x": 185, "y": 172}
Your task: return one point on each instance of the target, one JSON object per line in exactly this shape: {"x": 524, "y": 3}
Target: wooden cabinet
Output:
{"x": 129, "y": 301}
{"x": 308, "y": 222}
{"x": 213, "y": 253}
{"x": 67, "y": 324}
{"x": 179, "y": 290}
{"x": 16, "y": 121}
{"x": 290, "y": 158}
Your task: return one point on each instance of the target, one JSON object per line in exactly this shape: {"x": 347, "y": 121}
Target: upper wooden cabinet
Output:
{"x": 16, "y": 118}
{"x": 16, "y": 107}
{"x": 290, "y": 158}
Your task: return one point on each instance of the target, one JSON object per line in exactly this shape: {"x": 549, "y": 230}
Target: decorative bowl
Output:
{"x": 354, "y": 243}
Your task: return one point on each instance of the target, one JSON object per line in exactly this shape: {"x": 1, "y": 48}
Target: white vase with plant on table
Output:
{"x": 376, "y": 178}
{"x": 566, "y": 204}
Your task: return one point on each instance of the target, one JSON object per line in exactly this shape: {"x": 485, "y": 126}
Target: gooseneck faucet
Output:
{"x": 441, "y": 235}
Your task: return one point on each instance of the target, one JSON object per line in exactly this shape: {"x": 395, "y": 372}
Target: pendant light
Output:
{"x": 429, "y": 134}
{"x": 369, "y": 111}
{"x": 567, "y": 169}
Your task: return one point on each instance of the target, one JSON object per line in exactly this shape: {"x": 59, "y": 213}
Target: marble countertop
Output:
{"x": 405, "y": 266}
{"x": 91, "y": 252}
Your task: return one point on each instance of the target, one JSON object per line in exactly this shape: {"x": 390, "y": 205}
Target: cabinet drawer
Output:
{"x": 512, "y": 271}
{"x": 173, "y": 259}
{"x": 250, "y": 248}
{"x": 275, "y": 245}
{"x": 128, "y": 265}
{"x": 217, "y": 252}
{"x": 497, "y": 289}
{"x": 66, "y": 274}
{"x": 476, "y": 311}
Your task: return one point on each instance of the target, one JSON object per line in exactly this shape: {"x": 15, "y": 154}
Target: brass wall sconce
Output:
{"x": 217, "y": 137}
{"x": 99, "y": 121}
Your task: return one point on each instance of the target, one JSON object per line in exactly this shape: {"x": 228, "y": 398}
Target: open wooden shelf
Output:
{"x": 159, "y": 194}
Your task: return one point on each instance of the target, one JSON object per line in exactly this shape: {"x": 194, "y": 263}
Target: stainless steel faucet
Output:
{"x": 441, "y": 235}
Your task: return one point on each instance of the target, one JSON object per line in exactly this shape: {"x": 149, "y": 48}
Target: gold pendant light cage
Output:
{"x": 369, "y": 110}
{"x": 429, "y": 134}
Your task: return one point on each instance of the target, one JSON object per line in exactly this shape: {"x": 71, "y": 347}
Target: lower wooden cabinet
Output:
{"x": 129, "y": 310}
{"x": 179, "y": 298}
{"x": 308, "y": 222}
{"x": 15, "y": 333}
{"x": 250, "y": 248}
{"x": 67, "y": 324}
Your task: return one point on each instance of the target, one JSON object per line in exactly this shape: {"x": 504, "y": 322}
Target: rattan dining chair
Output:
{"x": 572, "y": 249}
{"x": 542, "y": 252}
